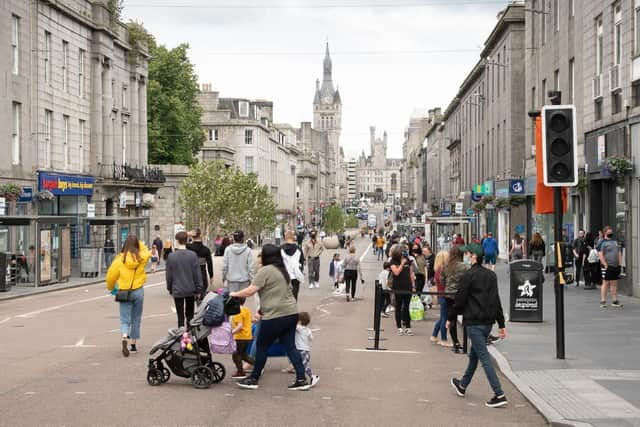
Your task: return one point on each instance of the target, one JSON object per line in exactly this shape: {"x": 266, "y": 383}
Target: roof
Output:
{"x": 513, "y": 14}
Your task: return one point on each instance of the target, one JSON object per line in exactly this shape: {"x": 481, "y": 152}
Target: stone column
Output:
{"x": 133, "y": 152}
{"x": 107, "y": 111}
{"x": 142, "y": 122}
{"x": 96, "y": 133}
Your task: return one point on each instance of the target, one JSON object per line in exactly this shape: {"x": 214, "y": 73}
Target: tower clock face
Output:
{"x": 327, "y": 99}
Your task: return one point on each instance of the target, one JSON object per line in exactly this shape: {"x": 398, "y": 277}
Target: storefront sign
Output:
{"x": 458, "y": 208}
{"x": 602, "y": 149}
{"x": 476, "y": 197}
{"x": 66, "y": 185}
{"x": 91, "y": 210}
{"x": 516, "y": 186}
{"x": 447, "y": 209}
{"x": 26, "y": 195}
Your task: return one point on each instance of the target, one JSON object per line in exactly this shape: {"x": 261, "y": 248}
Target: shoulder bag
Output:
{"x": 125, "y": 295}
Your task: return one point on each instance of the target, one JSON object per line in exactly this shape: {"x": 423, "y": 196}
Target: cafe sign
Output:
{"x": 66, "y": 185}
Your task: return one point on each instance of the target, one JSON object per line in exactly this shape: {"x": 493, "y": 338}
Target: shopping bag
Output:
{"x": 416, "y": 309}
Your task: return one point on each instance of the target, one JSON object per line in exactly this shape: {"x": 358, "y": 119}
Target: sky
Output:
{"x": 391, "y": 58}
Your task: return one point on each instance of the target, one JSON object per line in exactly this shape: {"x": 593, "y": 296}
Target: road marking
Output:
{"x": 417, "y": 371}
{"x": 366, "y": 251}
{"x": 315, "y": 329}
{"x": 337, "y": 368}
{"x": 5, "y": 320}
{"x": 153, "y": 316}
{"x": 229, "y": 394}
{"x": 81, "y": 392}
{"x": 520, "y": 405}
{"x": 80, "y": 344}
{"x": 375, "y": 398}
{"x": 277, "y": 397}
{"x": 423, "y": 400}
{"x": 128, "y": 392}
{"x": 471, "y": 404}
{"x": 326, "y": 398}
{"x": 377, "y": 369}
{"x": 363, "y": 350}
{"x": 30, "y": 393}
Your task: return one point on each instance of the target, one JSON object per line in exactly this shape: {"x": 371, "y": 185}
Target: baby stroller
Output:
{"x": 167, "y": 354}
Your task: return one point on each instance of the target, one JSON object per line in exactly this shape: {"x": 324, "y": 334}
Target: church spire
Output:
{"x": 327, "y": 64}
{"x": 327, "y": 92}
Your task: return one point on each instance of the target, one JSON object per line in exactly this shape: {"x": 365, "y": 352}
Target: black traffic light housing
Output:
{"x": 559, "y": 146}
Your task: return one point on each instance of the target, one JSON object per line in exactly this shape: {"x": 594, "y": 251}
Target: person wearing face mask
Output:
{"x": 479, "y": 302}
{"x": 451, "y": 274}
{"x": 312, "y": 250}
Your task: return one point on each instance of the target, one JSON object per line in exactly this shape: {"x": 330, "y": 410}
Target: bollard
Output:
{"x": 377, "y": 302}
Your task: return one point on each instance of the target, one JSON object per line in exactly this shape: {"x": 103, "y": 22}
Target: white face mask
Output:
{"x": 466, "y": 259}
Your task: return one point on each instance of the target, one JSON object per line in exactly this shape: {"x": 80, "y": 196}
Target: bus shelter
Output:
{"x": 440, "y": 230}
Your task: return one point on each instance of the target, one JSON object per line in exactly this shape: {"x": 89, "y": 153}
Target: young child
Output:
{"x": 154, "y": 258}
{"x": 303, "y": 345}
{"x": 241, "y": 324}
{"x": 335, "y": 270}
{"x": 383, "y": 279}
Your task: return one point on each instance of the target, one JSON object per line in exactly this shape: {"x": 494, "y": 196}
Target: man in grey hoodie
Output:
{"x": 237, "y": 264}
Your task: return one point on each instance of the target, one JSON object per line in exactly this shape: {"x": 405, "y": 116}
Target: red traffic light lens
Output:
{"x": 558, "y": 122}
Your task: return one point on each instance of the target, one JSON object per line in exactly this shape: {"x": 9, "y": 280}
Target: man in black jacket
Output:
{"x": 184, "y": 279}
{"x": 479, "y": 303}
{"x": 204, "y": 256}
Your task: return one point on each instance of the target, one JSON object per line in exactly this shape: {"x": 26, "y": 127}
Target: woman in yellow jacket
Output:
{"x": 127, "y": 270}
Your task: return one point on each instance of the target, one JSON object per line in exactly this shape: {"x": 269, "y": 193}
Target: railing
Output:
{"x": 144, "y": 174}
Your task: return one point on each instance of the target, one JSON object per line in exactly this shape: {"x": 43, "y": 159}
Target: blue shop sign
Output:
{"x": 66, "y": 185}
{"x": 476, "y": 197}
{"x": 516, "y": 186}
{"x": 26, "y": 195}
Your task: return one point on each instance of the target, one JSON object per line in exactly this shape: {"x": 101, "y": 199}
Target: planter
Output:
{"x": 331, "y": 242}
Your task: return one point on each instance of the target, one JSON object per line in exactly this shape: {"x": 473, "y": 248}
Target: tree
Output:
{"x": 174, "y": 115}
{"x": 333, "y": 220}
{"x": 217, "y": 198}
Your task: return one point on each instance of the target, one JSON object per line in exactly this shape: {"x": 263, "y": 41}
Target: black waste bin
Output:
{"x": 525, "y": 301}
{"x": 7, "y": 271}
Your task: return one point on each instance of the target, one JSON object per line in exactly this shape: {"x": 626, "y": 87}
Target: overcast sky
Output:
{"x": 390, "y": 57}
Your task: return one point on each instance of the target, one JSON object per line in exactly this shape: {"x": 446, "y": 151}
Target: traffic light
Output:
{"x": 559, "y": 146}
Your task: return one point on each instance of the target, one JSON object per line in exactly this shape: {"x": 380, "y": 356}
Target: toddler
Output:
{"x": 241, "y": 324}
{"x": 384, "y": 279}
{"x": 335, "y": 270}
{"x": 303, "y": 345}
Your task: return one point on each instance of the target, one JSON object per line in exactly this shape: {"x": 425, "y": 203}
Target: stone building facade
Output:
{"x": 379, "y": 177}
{"x": 411, "y": 148}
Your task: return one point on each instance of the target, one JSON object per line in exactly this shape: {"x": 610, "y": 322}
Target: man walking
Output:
{"x": 293, "y": 260}
{"x": 312, "y": 250}
{"x": 184, "y": 279}
{"x": 491, "y": 251}
{"x": 204, "y": 256}
{"x": 577, "y": 250}
{"x": 237, "y": 264}
{"x": 610, "y": 255}
{"x": 479, "y": 303}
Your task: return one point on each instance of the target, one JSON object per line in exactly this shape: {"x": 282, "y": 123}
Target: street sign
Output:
{"x": 470, "y": 212}
{"x": 516, "y": 186}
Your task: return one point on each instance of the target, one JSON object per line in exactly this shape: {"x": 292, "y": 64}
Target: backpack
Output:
{"x": 214, "y": 312}
{"x": 593, "y": 256}
{"x": 221, "y": 339}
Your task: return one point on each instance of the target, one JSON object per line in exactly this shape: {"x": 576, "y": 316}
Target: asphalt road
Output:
{"x": 60, "y": 365}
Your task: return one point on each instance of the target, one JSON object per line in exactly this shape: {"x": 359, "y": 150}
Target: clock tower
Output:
{"x": 327, "y": 117}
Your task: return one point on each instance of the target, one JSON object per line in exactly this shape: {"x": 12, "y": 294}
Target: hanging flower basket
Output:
{"x": 43, "y": 195}
{"x": 618, "y": 165}
{"x": 517, "y": 200}
{"x": 501, "y": 203}
{"x": 479, "y": 207}
{"x": 488, "y": 199}
{"x": 582, "y": 184}
{"x": 10, "y": 191}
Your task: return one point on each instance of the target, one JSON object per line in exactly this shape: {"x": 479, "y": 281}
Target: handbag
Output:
{"x": 125, "y": 295}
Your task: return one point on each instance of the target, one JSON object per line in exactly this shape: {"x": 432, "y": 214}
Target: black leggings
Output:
{"x": 402, "y": 310}
{"x": 453, "y": 326}
{"x": 184, "y": 309}
{"x": 350, "y": 279}
{"x": 295, "y": 287}
{"x": 420, "y": 282}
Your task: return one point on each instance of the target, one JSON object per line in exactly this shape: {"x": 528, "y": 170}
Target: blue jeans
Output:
{"x": 284, "y": 330}
{"x": 131, "y": 314}
{"x": 478, "y": 335}
{"x": 380, "y": 252}
{"x": 441, "y": 323}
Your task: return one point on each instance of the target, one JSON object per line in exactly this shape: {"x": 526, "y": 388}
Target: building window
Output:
{"x": 534, "y": 6}
{"x": 598, "y": 109}
{"x": 47, "y": 57}
{"x": 617, "y": 34}
{"x": 543, "y": 23}
{"x": 82, "y": 64}
{"x": 636, "y": 23}
{"x": 498, "y": 78}
{"x": 248, "y": 164}
{"x": 556, "y": 15}
{"x": 15, "y": 133}
{"x": 124, "y": 98}
{"x": 48, "y": 135}
{"x": 571, "y": 79}
{"x": 616, "y": 102}
{"x": 556, "y": 80}
{"x": 82, "y": 128}
{"x": 243, "y": 107}
{"x": 124, "y": 143}
{"x": 65, "y": 66}
{"x": 213, "y": 134}
{"x": 65, "y": 141}
{"x": 543, "y": 93}
{"x": 599, "y": 45}
{"x": 635, "y": 94}
{"x": 248, "y": 136}
{"x": 15, "y": 44}
{"x": 504, "y": 68}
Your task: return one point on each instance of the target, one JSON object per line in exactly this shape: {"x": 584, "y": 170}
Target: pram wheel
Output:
{"x": 218, "y": 371}
{"x": 166, "y": 374}
{"x": 202, "y": 377}
{"x": 155, "y": 377}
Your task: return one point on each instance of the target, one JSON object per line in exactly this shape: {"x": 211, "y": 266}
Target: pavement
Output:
{"x": 61, "y": 365}
{"x": 598, "y": 382}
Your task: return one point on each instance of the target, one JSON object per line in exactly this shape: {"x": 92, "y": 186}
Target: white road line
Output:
{"x": 363, "y": 350}
{"x": 5, "y": 320}
{"x": 315, "y": 329}
{"x": 82, "y": 301}
{"x": 326, "y": 398}
{"x": 229, "y": 394}
{"x": 30, "y": 393}
{"x": 81, "y": 392}
{"x": 80, "y": 344}
{"x": 366, "y": 252}
{"x": 423, "y": 400}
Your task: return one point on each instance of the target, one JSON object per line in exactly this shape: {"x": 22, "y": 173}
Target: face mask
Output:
{"x": 610, "y": 235}
{"x": 466, "y": 259}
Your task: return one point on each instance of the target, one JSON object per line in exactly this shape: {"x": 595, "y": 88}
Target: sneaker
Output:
{"x": 317, "y": 285}
{"x": 497, "y": 401}
{"x": 456, "y": 348}
{"x": 311, "y": 285}
{"x": 133, "y": 349}
{"x": 301, "y": 385}
{"x": 616, "y": 304}
{"x": 603, "y": 304}
{"x": 348, "y": 298}
{"x": 391, "y": 308}
{"x": 125, "y": 348}
{"x": 314, "y": 380}
{"x": 408, "y": 332}
{"x": 239, "y": 375}
{"x": 460, "y": 391}
{"x": 384, "y": 314}
{"x": 248, "y": 383}
{"x": 400, "y": 331}
{"x": 492, "y": 338}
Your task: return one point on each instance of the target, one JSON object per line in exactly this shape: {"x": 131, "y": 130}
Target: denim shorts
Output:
{"x": 490, "y": 259}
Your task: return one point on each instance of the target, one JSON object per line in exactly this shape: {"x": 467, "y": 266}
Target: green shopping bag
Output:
{"x": 416, "y": 309}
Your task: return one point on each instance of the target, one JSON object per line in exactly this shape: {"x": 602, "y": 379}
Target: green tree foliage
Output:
{"x": 351, "y": 221}
{"x": 219, "y": 198}
{"x": 174, "y": 125}
{"x": 333, "y": 220}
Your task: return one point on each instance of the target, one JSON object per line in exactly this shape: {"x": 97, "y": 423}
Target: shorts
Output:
{"x": 490, "y": 259}
{"x": 154, "y": 259}
{"x": 611, "y": 273}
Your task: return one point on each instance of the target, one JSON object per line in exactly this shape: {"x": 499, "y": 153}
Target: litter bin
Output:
{"x": 7, "y": 271}
{"x": 90, "y": 261}
{"x": 525, "y": 301}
